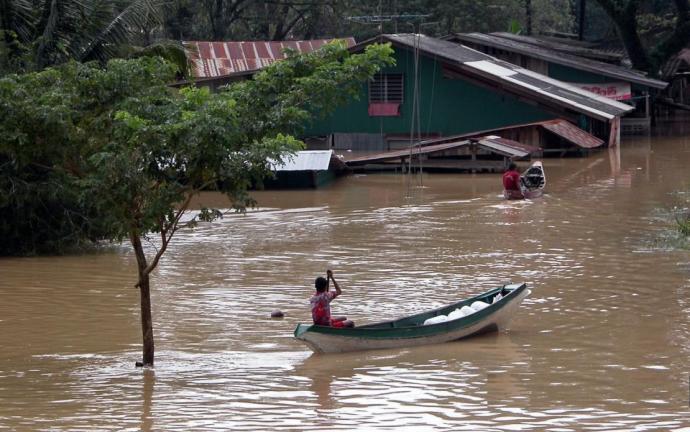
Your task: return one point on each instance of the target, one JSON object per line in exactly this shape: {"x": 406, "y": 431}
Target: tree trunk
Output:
{"x": 625, "y": 18}
{"x": 145, "y": 297}
{"x": 627, "y": 28}
{"x": 146, "y": 321}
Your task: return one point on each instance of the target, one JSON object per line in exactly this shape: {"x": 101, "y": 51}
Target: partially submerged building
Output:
{"x": 460, "y": 93}
{"x": 677, "y": 71}
{"x": 306, "y": 169}
{"x": 490, "y": 153}
{"x": 577, "y": 66}
{"x": 460, "y": 90}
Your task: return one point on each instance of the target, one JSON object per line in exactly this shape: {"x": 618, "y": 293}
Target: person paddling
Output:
{"x": 321, "y": 303}
{"x": 511, "y": 183}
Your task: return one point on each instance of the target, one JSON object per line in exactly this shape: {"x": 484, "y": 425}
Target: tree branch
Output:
{"x": 171, "y": 229}
{"x": 675, "y": 42}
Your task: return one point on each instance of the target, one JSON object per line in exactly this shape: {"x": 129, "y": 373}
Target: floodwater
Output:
{"x": 603, "y": 342}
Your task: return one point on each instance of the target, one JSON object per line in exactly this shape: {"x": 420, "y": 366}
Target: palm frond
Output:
{"x": 121, "y": 29}
{"x": 17, "y": 16}
{"x": 58, "y": 25}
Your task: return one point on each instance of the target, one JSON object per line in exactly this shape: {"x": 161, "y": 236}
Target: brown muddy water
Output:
{"x": 603, "y": 343}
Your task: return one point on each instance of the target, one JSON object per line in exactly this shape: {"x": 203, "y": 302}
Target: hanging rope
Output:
{"x": 415, "y": 102}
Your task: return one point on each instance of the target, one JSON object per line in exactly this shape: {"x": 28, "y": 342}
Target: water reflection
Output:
{"x": 149, "y": 381}
{"x": 489, "y": 362}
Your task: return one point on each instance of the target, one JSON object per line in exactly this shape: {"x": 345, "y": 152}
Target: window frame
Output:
{"x": 391, "y": 88}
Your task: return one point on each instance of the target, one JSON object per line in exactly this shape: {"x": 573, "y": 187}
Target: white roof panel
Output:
{"x": 307, "y": 160}
{"x": 491, "y": 68}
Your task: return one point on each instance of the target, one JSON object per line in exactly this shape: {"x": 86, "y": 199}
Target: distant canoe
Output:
{"x": 410, "y": 331}
{"x": 532, "y": 183}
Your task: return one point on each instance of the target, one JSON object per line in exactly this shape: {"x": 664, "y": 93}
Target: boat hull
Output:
{"x": 493, "y": 318}
{"x": 533, "y": 181}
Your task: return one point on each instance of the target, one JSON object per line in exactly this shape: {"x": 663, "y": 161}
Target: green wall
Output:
{"x": 447, "y": 106}
{"x": 568, "y": 74}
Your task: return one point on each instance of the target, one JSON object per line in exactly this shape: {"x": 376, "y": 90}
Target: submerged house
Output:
{"x": 306, "y": 169}
{"x": 459, "y": 91}
{"x": 588, "y": 69}
{"x": 489, "y": 153}
{"x": 677, "y": 71}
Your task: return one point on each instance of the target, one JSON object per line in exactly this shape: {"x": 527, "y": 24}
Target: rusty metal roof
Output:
{"x": 572, "y": 133}
{"x": 507, "y": 76}
{"x": 500, "y": 41}
{"x": 216, "y": 59}
{"x": 507, "y": 147}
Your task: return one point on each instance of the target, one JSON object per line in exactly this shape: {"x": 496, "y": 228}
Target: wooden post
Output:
{"x": 615, "y": 132}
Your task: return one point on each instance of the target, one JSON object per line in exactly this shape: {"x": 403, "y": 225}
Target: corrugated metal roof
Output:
{"x": 397, "y": 154}
{"x": 216, "y": 59}
{"x": 307, "y": 160}
{"x": 680, "y": 61}
{"x": 577, "y": 135}
{"x": 507, "y": 147}
{"x": 572, "y": 133}
{"x": 493, "y": 143}
{"x": 499, "y": 41}
{"x": 574, "y": 47}
{"x": 509, "y": 77}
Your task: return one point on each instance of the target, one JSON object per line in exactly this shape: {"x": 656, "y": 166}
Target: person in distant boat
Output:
{"x": 511, "y": 182}
{"x": 321, "y": 303}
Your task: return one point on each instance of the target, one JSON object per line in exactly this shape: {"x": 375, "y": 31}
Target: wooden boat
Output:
{"x": 532, "y": 181}
{"x": 410, "y": 331}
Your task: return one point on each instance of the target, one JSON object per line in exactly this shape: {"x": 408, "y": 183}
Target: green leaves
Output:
{"x": 90, "y": 152}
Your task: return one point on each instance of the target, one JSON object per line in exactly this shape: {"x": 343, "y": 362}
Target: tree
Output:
{"x": 121, "y": 154}
{"x": 625, "y": 14}
{"x": 167, "y": 147}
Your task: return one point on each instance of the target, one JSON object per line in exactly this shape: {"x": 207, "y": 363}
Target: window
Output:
{"x": 384, "y": 88}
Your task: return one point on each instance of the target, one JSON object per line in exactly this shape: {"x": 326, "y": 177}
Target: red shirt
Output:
{"x": 321, "y": 307}
{"x": 511, "y": 180}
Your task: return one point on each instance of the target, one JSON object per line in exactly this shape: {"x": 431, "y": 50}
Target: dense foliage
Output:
{"x": 39, "y": 33}
{"x": 49, "y": 124}
{"x": 299, "y": 19}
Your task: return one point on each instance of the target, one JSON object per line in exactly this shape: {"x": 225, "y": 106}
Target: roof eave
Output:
{"x": 642, "y": 80}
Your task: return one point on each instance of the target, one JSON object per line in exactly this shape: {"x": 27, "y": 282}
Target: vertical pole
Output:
{"x": 615, "y": 132}
{"x": 528, "y": 13}
{"x": 474, "y": 158}
{"x": 581, "y": 20}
